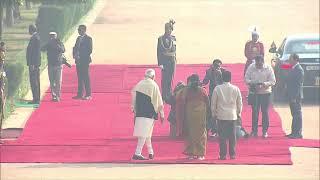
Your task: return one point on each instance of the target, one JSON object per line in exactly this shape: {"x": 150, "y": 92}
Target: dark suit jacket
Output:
{"x": 82, "y": 50}
{"x": 295, "y": 82}
{"x": 214, "y": 79}
{"x": 33, "y": 51}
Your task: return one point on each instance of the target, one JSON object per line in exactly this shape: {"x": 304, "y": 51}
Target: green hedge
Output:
{"x": 60, "y": 17}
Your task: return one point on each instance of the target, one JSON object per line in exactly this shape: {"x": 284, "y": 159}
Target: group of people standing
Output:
{"x": 55, "y": 48}
{"x": 194, "y": 112}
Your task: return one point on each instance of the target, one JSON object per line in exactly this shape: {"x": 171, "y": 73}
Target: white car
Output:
{"x": 307, "y": 46}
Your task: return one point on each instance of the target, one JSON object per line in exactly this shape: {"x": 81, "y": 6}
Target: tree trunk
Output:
{"x": 16, "y": 12}
{"x": 9, "y": 13}
{"x": 28, "y": 4}
{"x": 1, "y": 19}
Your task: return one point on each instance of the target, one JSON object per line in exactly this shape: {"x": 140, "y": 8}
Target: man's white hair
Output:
{"x": 150, "y": 73}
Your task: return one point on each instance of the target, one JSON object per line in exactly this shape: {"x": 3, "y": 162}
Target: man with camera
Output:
{"x": 54, "y": 48}
{"x": 260, "y": 79}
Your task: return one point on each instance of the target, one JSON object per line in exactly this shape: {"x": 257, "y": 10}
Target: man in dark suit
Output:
{"x": 294, "y": 86}
{"x": 214, "y": 77}
{"x": 82, "y": 55}
{"x": 34, "y": 61}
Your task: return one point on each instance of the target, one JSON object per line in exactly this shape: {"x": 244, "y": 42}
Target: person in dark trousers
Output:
{"x": 294, "y": 86}
{"x": 34, "y": 62}
{"x": 54, "y": 49}
{"x": 166, "y": 54}
{"x": 261, "y": 78}
{"x": 82, "y": 54}
{"x": 214, "y": 76}
{"x": 226, "y": 106}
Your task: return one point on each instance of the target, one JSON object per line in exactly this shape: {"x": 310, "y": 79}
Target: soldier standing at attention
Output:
{"x": 253, "y": 49}
{"x": 166, "y": 54}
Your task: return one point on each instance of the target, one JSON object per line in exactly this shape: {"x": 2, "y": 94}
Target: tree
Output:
{"x": 28, "y": 4}
{"x": 1, "y": 18}
{"x": 9, "y": 12}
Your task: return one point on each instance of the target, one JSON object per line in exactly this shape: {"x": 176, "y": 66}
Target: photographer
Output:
{"x": 260, "y": 79}
{"x": 54, "y": 49}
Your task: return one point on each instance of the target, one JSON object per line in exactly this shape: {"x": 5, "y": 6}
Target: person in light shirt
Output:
{"x": 226, "y": 106}
{"x": 146, "y": 105}
{"x": 261, "y": 78}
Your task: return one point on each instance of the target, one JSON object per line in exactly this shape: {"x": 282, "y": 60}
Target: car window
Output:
{"x": 303, "y": 46}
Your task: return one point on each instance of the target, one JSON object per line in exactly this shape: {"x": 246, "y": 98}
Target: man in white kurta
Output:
{"x": 146, "y": 104}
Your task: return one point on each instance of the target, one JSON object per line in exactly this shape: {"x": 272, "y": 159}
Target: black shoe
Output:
{"x": 222, "y": 158}
{"x": 33, "y": 102}
{"x": 254, "y": 134}
{"x": 295, "y": 136}
{"x": 138, "y": 157}
{"x": 77, "y": 97}
{"x": 151, "y": 156}
{"x": 288, "y": 135}
{"x": 87, "y": 98}
{"x": 233, "y": 157}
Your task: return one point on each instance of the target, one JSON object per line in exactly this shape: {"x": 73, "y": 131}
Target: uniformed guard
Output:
{"x": 166, "y": 54}
{"x": 253, "y": 49}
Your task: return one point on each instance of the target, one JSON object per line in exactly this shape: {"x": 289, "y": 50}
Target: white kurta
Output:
{"x": 143, "y": 127}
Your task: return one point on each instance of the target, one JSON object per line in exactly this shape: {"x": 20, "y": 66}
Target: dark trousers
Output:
{"x": 83, "y": 79}
{"x": 167, "y": 77}
{"x": 295, "y": 108}
{"x": 261, "y": 101}
{"x": 211, "y": 122}
{"x": 34, "y": 77}
{"x": 227, "y": 132}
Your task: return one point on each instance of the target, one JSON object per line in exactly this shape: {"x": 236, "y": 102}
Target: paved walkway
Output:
{"x": 125, "y": 32}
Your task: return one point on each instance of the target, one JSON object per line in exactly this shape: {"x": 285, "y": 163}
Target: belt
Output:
{"x": 169, "y": 54}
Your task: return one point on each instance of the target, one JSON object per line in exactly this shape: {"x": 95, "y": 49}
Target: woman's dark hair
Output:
{"x": 194, "y": 81}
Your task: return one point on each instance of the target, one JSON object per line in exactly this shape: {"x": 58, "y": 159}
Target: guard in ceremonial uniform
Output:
{"x": 166, "y": 54}
{"x": 253, "y": 49}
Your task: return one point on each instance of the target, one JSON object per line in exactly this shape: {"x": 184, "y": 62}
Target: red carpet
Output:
{"x": 309, "y": 143}
{"x": 100, "y": 130}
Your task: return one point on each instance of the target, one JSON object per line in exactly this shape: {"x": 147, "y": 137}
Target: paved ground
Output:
{"x": 125, "y": 32}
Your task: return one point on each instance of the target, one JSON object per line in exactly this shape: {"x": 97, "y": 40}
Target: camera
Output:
{"x": 65, "y": 61}
{"x": 252, "y": 87}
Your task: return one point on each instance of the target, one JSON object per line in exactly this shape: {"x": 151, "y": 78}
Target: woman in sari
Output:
{"x": 192, "y": 113}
